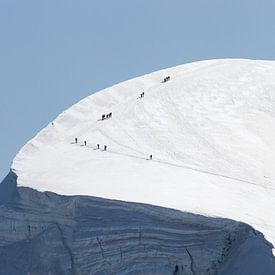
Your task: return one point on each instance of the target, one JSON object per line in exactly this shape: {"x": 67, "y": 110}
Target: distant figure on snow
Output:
{"x": 110, "y": 115}
{"x": 167, "y": 78}
{"x": 151, "y": 157}
{"x": 103, "y": 117}
{"x": 85, "y": 142}
{"x": 97, "y": 146}
{"x": 75, "y": 140}
{"x": 105, "y": 147}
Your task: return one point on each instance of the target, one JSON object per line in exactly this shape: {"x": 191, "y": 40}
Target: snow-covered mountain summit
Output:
{"x": 210, "y": 130}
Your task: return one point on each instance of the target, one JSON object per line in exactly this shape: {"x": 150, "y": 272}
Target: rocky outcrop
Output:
{"x": 44, "y": 233}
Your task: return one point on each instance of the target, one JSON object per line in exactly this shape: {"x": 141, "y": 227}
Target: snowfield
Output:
{"x": 210, "y": 130}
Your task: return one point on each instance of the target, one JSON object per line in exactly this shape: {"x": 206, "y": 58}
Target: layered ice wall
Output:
{"x": 46, "y": 233}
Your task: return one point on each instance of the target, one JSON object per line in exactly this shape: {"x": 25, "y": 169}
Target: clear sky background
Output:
{"x": 54, "y": 53}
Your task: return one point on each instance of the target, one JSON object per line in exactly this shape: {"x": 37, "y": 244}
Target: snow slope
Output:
{"x": 210, "y": 129}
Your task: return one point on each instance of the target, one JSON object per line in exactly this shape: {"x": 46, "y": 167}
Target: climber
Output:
{"x": 105, "y": 147}
{"x": 151, "y": 157}
{"x": 166, "y": 79}
{"x": 97, "y": 146}
{"x": 85, "y": 142}
{"x": 103, "y": 117}
{"x": 75, "y": 140}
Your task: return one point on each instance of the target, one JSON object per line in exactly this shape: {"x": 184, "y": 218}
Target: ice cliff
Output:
{"x": 46, "y": 233}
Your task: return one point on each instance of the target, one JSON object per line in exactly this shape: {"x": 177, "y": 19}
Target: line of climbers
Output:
{"x": 106, "y": 116}
{"x": 104, "y": 148}
{"x": 167, "y": 78}
{"x": 85, "y": 144}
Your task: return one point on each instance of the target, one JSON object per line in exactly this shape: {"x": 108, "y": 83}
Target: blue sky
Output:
{"x": 54, "y": 53}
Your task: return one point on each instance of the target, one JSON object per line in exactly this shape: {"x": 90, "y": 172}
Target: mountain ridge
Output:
{"x": 210, "y": 129}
